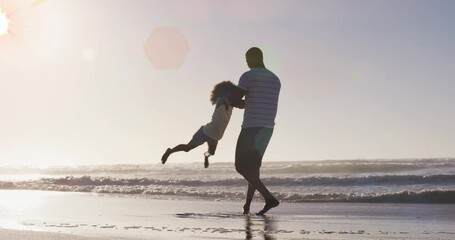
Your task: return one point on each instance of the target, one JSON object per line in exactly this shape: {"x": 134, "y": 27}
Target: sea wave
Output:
{"x": 362, "y": 166}
{"x": 303, "y": 167}
{"x": 388, "y": 188}
{"x": 223, "y": 193}
{"x": 440, "y": 179}
{"x": 426, "y": 196}
{"x": 413, "y": 181}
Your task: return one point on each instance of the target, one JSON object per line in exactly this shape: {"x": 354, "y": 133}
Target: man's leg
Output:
{"x": 256, "y": 183}
{"x": 251, "y": 146}
{"x": 249, "y": 197}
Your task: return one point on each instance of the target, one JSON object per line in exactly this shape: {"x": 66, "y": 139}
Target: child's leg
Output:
{"x": 198, "y": 139}
{"x": 210, "y": 152}
{"x": 206, "y": 161}
{"x": 181, "y": 147}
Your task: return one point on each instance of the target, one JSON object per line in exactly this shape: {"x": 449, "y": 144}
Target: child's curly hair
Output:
{"x": 220, "y": 90}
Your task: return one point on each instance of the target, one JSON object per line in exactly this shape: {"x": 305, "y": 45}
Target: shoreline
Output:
{"x": 86, "y": 216}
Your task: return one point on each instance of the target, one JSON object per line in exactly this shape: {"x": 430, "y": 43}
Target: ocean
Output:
{"x": 379, "y": 181}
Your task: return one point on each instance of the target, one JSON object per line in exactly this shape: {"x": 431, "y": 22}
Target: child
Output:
{"x": 213, "y": 131}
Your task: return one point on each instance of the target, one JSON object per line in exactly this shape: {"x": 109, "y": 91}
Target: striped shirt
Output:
{"x": 261, "y": 98}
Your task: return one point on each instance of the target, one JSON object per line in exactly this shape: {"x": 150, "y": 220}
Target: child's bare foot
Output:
{"x": 165, "y": 156}
{"x": 269, "y": 204}
{"x": 206, "y": 162}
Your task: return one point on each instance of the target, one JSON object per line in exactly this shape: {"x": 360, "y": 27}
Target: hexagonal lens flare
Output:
{"x": 167, "y": 48}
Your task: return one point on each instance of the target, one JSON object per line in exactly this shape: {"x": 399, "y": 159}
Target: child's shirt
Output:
{"x": 220, "y": 119}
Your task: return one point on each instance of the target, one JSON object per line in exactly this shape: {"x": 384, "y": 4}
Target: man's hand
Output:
{"x": 242, "y": 104}
{"x": 235, "y": 98}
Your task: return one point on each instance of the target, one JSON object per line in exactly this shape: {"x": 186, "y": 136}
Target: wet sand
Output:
{"x": 7, "y": 234}
{"x": 60, "y": 215}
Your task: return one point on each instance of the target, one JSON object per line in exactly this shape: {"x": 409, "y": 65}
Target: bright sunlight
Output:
{"x": 4, "y": 22}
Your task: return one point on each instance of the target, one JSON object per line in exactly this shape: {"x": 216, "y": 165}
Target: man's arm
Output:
{"x": 235, "y": 98}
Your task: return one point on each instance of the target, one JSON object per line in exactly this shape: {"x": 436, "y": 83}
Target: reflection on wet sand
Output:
{"x": 253, "y": 227}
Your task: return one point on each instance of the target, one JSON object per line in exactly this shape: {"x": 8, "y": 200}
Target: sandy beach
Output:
{"x": 7, "y": 234}
{"x": 60, "y": 215}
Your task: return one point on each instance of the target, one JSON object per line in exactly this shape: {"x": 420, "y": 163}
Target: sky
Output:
{"x": 82, "y": 82}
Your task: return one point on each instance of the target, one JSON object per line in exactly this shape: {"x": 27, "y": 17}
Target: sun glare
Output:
{"x": 4, "y": 22}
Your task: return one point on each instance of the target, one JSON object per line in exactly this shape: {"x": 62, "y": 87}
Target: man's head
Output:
{"x": 254, "y": 58}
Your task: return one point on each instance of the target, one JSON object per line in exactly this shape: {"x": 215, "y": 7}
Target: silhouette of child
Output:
{"x": 213, "y": 131}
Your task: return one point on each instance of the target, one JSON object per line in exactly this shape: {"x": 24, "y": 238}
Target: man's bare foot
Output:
{"x": 269, "y": 204}
{"x": 165, "y": 156}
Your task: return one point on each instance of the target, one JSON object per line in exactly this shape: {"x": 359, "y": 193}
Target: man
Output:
{"x": 261, "y": 89}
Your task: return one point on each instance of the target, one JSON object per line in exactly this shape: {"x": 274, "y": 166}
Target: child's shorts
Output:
{"x": 200, "y": 138}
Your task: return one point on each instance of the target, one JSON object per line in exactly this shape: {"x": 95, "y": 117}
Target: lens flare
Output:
{"x": 4, "y": 22}
{"x": 167, "y": 48}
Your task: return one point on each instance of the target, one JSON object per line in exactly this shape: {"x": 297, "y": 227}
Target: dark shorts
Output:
{"x": 200, "y": 138}
{"x": 251, "y": 146}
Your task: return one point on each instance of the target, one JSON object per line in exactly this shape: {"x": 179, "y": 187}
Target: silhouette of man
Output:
{"x": 261, "y": 89}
